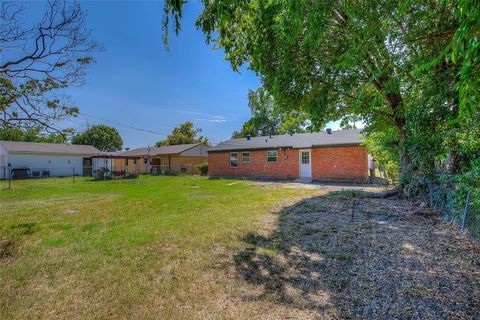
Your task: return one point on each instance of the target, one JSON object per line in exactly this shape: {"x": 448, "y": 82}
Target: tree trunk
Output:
{"x": 405, "y": 159}
{"x": 396, "y": 103}
{"x": 454, "y": 165}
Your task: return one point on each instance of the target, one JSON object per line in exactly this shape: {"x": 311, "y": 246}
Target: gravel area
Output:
{"x": 325, "y": 186}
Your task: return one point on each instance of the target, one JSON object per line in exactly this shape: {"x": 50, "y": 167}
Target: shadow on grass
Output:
{"x": 341, "y": 255}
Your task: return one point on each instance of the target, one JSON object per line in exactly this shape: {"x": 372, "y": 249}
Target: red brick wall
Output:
{"x": 344, "y": 163}
{"x": 285, "y": 167}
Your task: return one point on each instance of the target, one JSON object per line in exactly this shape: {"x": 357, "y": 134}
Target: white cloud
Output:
{"x": 191, "y": 112}
{"x": 213, "y": 119}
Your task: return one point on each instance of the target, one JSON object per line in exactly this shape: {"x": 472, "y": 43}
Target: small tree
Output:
{"x": 183, "y": 134}
{"x": 102, "y": 137}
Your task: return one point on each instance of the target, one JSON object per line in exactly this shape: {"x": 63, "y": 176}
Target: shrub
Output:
{"x": 203, "y": 168}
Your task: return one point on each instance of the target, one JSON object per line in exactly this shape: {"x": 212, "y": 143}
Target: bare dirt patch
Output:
{"x": 339, "y": 256}
{"x": 6, "y": 249}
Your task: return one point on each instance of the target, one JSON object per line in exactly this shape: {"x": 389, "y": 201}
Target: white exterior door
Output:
{"x": 305, "y": 156}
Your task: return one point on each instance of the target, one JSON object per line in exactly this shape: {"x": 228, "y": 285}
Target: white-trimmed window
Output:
{"x": 272, "y": 156}
{"x": 305, "y": 157}
{"x": 245, "y": 157}
{"x": 233, "y": 159}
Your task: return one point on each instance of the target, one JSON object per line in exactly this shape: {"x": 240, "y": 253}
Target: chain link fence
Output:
{"x": 9, "y": 175}
{"x": 459, "y": 208}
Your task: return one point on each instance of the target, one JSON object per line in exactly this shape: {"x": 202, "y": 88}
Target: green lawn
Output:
{"x": 155, "y": 247}
{"x": 193, "y": 248}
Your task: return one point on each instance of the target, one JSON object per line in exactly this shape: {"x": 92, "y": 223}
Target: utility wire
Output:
{"x": 156, "y": 133}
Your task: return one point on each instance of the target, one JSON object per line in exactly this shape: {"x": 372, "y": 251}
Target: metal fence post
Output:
{"x": 73, "y": 174}
{"x": 9, "y": 176}
{"x": 465, "y": 212}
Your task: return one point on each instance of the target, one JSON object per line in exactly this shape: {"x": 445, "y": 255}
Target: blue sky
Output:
{"x": 136, "y": 82}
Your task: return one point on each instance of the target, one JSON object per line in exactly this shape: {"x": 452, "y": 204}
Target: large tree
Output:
{"x": 39, "y": 59}
{"x": 183, "y": 134}
{"x": 369, "y": 59}
{"x": 102, "y": 137}
{"x": 268, "y": 118}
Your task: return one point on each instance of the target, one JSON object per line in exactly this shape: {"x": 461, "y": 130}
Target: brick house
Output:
{"x": 331, "y": 155}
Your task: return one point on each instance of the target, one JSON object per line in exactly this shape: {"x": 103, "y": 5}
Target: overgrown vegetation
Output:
{"x": 456, "y": 196}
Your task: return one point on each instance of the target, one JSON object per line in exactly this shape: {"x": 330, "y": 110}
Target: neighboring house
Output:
{"x": 115, "y": 162}
{"x": 331, "y": 155}
{"x": 45, "y": 159}
{"x": 166, "y": 159}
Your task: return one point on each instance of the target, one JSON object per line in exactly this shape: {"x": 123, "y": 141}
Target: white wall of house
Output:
{"x": 3, "y": 162}
{"x": 57, "y": 165}
{"x": 3, "y": 156}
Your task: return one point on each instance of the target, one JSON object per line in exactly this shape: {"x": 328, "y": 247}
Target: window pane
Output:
{"x": 246, "y": 156}
{"x": 271, "y": 156}
{"x": 233, "y": 159}
{"x": 305, "y": 157}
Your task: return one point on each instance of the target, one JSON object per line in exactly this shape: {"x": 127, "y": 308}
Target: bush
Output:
{"x": 203, "y": 168}
{"x": 392, "y": 170}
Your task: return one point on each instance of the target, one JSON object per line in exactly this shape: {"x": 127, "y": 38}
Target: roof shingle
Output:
{"x": 156, "y": 151}
{"x": 49, "y": 148}
{"x": 300, "y": 140}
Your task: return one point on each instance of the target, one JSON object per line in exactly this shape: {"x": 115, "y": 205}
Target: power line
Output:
{"x": 156, "y": 133}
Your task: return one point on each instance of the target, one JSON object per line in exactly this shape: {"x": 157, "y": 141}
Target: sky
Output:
{"x": 136, "y": 82}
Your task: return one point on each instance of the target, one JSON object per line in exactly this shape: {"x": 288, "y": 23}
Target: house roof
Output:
{"x": 300, "y": 140}
{"x": 115, "y": 155}
{"x": 48, "y": 148}
{"x": 157, "y": 151}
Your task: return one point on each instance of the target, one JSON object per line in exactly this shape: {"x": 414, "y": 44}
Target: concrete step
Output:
{"x": 303, "y": 180}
